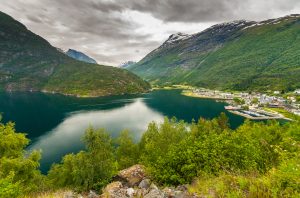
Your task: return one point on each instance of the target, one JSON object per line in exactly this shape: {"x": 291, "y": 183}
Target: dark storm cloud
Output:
{"x": 212, "y": 10}
{"x": 114, "y": 31}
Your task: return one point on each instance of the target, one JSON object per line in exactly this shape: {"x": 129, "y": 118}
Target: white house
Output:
{"x": 297, "y": 91}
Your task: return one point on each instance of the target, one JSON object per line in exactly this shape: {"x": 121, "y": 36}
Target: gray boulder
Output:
{"x": 145, "y": 183}
{"x": 154, "y": 193}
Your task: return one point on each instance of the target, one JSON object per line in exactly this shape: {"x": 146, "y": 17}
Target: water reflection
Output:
{"x": 65, "y": 138}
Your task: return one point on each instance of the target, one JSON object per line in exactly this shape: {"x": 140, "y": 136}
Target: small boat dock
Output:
{"x": 257, "y": 114}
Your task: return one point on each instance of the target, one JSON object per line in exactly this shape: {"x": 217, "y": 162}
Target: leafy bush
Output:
{"x": 127, "y": 152}
{"x": 258, "y": 159}
{"x": 88, "y": 169}
{"x": 18, "y": 168}
{"x": 176, "y": 153}
{"x": 9, "y": 188}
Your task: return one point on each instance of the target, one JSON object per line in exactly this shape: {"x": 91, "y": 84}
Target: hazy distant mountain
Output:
{"x": 29, "y": 62}
{"x": 80, "y": 56}
{"x": 236, "y": 55}
{"x": 127, "y": 64}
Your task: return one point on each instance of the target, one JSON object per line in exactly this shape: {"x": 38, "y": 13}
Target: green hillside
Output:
{"x": 28, "y": 62}
{"x": 240, "y": 55}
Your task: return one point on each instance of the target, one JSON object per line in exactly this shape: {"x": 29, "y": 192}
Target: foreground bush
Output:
{"x": 89, "y": 169}
{"x": 257, "y": 159}
{"x": 176, "y": 153}
{"x": 19, "y": 172}
{"x": 278, "y": 182}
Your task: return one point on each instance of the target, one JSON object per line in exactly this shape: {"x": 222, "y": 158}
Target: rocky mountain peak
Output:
{"x": 80, "y": 56}
{"x": 177, "y": 37}
{"x": 228, "y": 26}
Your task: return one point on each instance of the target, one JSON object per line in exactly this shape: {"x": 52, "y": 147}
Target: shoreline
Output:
{"x": 189, "y": 94}
{"x": 271, "y": 116}
{"x": 72, "y": 95}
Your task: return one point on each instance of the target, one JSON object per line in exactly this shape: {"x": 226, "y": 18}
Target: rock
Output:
{"x": 140, "y": 193}
{"x": 92, "y": 194}
{"x": 182, "y": 188}
{"x": 145, "y": 183}
{"x": 154, "y": 193}
{"x": 153, "y": 187}
{"x": 133, "y": 175}
{"x": 114, "y": 190}
{"x": 180, "y": 194}
{"x": 130, "y": 192}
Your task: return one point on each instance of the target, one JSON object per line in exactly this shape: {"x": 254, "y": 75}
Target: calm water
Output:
{"x": 55, "y": 123}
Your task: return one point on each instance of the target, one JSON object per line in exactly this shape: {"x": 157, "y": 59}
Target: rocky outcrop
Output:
{"x": 134, "y": 182}
{"x": 132, "y": 176}
{"x": 80, "y": 56}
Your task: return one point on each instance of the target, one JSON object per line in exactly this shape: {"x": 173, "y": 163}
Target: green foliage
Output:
{"x": 239, "y": 101}
{"x": 258, "y": 159}
{"x": 9, "y": 188}
{"x": 158, "y": 140}
{"x": 88, "y": 169}
{"x": 18, "y": 168}
{"x": 127, "y": 152}
{"x": 281, "y": 182}
{"x": 255, "y": 101}
{"x": 176, "y": 153}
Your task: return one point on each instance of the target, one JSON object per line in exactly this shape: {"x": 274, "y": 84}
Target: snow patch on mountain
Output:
{"x": 273, "y": 21}
{"x": 175, "y": 38}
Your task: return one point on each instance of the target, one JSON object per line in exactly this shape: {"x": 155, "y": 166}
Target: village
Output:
{"x": 254, "y": 105}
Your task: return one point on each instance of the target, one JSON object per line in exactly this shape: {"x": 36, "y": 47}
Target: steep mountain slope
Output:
{"x": 237, "y": 55}
{"x": 28, "y": 62}
{"x": 80, "y": 56}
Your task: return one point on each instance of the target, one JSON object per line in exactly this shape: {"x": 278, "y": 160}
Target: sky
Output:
{"x": 115, "y": 31}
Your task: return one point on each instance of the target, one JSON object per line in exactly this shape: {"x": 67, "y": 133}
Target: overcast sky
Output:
{"x": 115, "y": 31}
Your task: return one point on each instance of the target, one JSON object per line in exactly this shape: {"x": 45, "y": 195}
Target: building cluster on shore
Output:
{"x": 253, "y": 102}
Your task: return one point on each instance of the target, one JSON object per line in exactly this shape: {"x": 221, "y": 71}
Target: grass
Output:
{"x": 185, "y": 87}
{"x": 51, "y": 194}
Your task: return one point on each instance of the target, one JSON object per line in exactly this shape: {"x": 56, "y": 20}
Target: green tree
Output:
{"x": 127, "y": 152}
{"x": 9, "y": 188}
{"x": 223, "y": 121}
{"x": 18, "y": 168}
{"x": 89, "y": 169}
{"x": 255, "y": 101}
{"x": 208, "y": 147}
{"x": 239, "y": 101}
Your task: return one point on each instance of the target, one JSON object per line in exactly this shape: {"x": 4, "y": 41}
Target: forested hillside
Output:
{"x": 30, "y": 63}
{"x": 239, "y": 55}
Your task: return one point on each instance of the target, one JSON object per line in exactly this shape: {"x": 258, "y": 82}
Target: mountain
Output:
{"x": 80, "y": 56}
{"x": 29, "y": 62}
{"x": 239, "y": 55}
{"x": 127, "y": 64}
